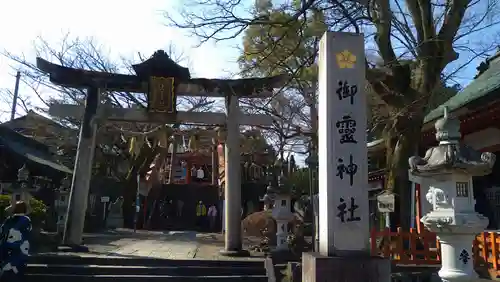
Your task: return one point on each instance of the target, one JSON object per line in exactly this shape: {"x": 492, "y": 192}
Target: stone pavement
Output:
{"x": 158, "y": 244}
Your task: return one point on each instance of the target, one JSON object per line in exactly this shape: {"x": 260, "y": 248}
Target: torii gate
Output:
{"x": 163, "y": 80}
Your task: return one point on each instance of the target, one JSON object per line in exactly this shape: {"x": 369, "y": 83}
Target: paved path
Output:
{"x": 155, "y": 244}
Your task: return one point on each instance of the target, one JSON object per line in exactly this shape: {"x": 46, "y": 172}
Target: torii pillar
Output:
{"x": 232, "y": 191}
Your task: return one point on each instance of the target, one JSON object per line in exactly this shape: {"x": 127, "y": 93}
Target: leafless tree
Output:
{"x": 417, "y": 43}
{"x": 113, "y": 137}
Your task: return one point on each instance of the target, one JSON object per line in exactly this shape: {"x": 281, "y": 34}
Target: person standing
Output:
{"x": 201, "y": 213}
{"x": 193, "y": 174}
{"x": 212, "y": 216}
{"x": 14, "y": 243}
{"x": 184, "y": 173}
{"x": 180, "y": 206}
{"x": 200, "y": 174}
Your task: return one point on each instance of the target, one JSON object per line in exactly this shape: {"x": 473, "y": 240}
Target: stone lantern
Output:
{"x": 282, "y": 214}
{"x": 24, "y": 188}
{"x": 281, "y": 209}
{"x": 61, "y": 203}
{"x": 449, "y": 168}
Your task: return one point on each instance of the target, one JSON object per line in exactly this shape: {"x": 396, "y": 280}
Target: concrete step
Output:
{"x": 68, "y": 268}
{"x": 151, "y": 262}
{"x": 190, "y": 270}
{"x": 138, "y": 278}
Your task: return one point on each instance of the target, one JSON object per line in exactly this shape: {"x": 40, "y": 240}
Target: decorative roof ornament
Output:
{"x": 450, "y": 155}
{"x": 23, "y": 174}
{"x": 486, "y": 64}
{"x": 447, "y": 129}
{"x": 160, "y": 64}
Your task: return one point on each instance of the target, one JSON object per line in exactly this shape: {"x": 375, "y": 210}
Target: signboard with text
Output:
{"x": 343, "y": 162}
{"x": 161, "y": 95}
{"x": 386, "y": 202}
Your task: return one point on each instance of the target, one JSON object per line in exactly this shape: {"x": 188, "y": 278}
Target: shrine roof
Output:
{"x": 43, "y": 130}
{"x": 30, "y": 149}
{"x": 485, "y": 83}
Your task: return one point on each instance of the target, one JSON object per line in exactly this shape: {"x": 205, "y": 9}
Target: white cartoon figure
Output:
{"x": 25, "y": 247}
{"x": 8, "y": 267}
{"x": 14, "y": 236}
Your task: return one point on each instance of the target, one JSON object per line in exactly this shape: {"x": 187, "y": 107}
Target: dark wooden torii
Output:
{"x": 163, "y": 80}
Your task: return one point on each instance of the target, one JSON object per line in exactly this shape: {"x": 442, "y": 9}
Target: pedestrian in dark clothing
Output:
{"x": 212, "y": 217}
{"x": 14, "y": 244}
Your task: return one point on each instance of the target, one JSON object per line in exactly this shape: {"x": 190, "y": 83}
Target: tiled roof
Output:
{"x": 486, "y": 83}
{"x": 29, "y": 149}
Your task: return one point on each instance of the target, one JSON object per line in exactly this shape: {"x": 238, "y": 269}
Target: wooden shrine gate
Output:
{"x": 163, "y": 80}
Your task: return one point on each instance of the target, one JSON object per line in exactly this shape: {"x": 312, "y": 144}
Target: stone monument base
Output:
{"x": 356, "y": 268}
{"x": 114, "y": 222}
{"x": 234, "y": 253}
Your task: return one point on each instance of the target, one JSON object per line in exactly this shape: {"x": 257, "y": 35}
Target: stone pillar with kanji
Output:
{"x": 343, "y": 202}
{"x": 449, "y": 168}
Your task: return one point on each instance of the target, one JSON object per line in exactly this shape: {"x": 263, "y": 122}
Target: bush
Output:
{"x": 38, "y": 210}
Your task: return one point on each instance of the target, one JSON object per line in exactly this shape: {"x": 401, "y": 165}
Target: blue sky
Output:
{"x": 125, "y": 27}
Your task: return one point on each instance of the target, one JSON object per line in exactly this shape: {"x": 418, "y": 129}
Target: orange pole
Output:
{"x": 418, "y": 206}
{"x": 485, "y": 252}
{"x": 494, "y": 250}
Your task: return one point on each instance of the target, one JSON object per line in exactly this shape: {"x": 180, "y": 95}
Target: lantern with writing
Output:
{"x": 449, "y": 168}
{"x": 61, "y": 203}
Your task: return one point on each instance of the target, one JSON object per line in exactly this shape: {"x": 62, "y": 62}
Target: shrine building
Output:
{"x": 478, "y": 108}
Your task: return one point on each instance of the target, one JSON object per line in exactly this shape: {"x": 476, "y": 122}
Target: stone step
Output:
{"x": 151, "y": 262}
{"x": 72, "y": 268}
{"x": 138, "y": 278}
{"x": 179, "y": 270}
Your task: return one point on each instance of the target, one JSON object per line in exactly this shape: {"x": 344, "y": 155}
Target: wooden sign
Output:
{"x": 161, "y": 95}
{"x": 386, "y": 202}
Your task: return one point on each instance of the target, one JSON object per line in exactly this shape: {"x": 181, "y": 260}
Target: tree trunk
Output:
{"x": 399, "y": 148}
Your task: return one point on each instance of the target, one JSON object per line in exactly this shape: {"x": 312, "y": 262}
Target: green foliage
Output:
{"x": 300, "y": 180}
{"x": 252, "y": 142}
{"x": 4, "y": 203}
{"x": 38, "y": 209}
{"x": 287, "y": 47}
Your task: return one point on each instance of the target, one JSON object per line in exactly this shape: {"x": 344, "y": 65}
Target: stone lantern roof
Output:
{"x": 450, "y": 155}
